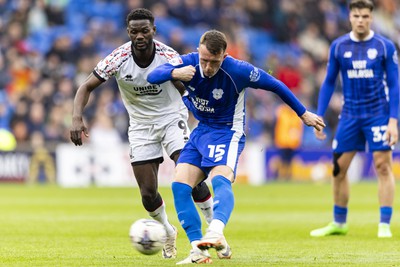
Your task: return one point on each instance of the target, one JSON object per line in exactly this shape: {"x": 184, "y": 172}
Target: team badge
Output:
{"x": 176, "y": 61}
{"x": 217, "y": 93}
{"x": 254, "y": 75}
{"x": 372, "y": 53}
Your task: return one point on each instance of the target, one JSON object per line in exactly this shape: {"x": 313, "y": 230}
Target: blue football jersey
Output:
{"x": 369, "y": 76}
{"x": 220, "y": 100}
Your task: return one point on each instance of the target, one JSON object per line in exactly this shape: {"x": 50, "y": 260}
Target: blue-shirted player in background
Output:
{"x": 216, "y": 85}
{"x": 368, "y": 66}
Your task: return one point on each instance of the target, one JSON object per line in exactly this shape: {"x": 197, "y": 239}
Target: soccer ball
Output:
{"x": 147, "y": 236}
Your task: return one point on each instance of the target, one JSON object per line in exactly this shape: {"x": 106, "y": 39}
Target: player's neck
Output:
{"x": 361, "y": 37}
{"x": 145, "y": 57}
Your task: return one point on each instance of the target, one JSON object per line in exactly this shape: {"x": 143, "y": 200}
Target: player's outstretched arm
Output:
{"x": 311, "y": 119}
{"x": 80, "y": 101}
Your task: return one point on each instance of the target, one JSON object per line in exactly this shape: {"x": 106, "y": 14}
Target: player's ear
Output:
{"x": 154, "y": 29}
{"x": 225, "y": 54}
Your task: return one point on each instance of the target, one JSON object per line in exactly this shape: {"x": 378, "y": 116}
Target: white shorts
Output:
{"x": 147, "y": 140}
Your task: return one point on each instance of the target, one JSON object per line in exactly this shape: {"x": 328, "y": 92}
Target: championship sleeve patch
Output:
{"x": 395, "y": 58}
{"x": 254, "y": 75}
{"x": 176, "y": 61}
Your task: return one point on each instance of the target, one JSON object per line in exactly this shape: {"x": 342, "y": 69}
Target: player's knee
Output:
{"x": 151, "y": 200}
{"x": 336, "y": 167}
{"x": 383, "y": 168}
{"x": 201, "y": 192}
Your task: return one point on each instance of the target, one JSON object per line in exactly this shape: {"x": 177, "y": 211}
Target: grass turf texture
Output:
{"x": 270, "y": 225}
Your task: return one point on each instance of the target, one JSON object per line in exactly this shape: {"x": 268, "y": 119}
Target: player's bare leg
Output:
{"x": 146, "y": 176}
{"x": 341, "y": 193}
{"x": 386, "y": 190}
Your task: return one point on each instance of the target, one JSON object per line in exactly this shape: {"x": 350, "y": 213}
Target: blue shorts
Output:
{"x": 353, "y": 134}
{"x": 209, "y": 147}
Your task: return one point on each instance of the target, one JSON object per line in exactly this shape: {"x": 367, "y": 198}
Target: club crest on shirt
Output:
{"x": 217, "y": 93}
{"x": 175, "y": 61}
{"x": 372, "y": 53}
{"x": 254, "y": 75}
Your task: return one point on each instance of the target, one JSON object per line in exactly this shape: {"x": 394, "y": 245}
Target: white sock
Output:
{"x": 160, "y": 215}
{"x": 217, "y": 226}
{"x": 206, "y": 208}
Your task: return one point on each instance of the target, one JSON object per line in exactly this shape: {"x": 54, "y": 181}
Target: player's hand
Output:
{"x": 184, "y": 74}
{"x": 76, "y": 131}
{"x": 320, "y": 135}
{"x": 311, "y": 119}
{"x": 392, "y": 134}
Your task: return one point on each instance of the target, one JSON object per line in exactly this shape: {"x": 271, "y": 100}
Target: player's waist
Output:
{"x": 158, "y": 116}
{"x": 364, "y": 112}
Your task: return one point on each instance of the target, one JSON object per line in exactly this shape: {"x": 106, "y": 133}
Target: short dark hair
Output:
{"x": 361, "y": 4}
{"x": 215, "y": 41}
{"x": 139, "y": 14}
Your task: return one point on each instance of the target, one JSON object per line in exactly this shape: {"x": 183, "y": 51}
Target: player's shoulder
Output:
{"x": 383, "y": 39}
{"x": 341, "y": 39}
{"x": 164, "y": 50}
{"x": 233, "y": 64}
{"x": 124, "y": 50}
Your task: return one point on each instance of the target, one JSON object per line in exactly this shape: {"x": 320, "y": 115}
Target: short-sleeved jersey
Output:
{"x": 369, "y": 76}
{"x": 219, "y": 101}
{"x": 144, "y": 102}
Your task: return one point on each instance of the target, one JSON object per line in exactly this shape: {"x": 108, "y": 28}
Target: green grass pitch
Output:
{"x": 270, "y": 225}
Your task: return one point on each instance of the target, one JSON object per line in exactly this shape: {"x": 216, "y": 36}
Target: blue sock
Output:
{"x": 386, "y": 214}
{"x": 223, "y": 198}
{"x": 187, "y": 213}
{"x": 340, "y": 214}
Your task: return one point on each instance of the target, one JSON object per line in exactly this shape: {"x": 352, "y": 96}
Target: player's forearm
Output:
{"x": 80, "y": 101}
{"x": 324, "y": 97}
{"x": 393, "y": 84}
{"x": 161, "y": 74}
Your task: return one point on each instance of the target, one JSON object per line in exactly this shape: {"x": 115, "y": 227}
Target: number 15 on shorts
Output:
{"x": 216, "y": 152}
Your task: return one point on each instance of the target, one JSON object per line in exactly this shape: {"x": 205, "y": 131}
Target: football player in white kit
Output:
{"x": 157, "y": 115}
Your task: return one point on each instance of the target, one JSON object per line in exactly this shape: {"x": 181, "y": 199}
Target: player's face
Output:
{"x": 209, "y": 62}
{"x": 141, "y": 33}
{"x": 360, "y": 20}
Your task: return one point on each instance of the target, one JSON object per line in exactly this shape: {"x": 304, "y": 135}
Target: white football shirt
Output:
{"x": 144, "y": 102}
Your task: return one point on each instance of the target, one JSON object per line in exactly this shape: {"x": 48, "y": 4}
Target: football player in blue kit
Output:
{"x": 216, "y": 84}
{"x": 368, "y": 67}
{"x": 157, "y": 116}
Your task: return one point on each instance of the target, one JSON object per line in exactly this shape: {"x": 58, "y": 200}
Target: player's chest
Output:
{"x": 362, "y": 58}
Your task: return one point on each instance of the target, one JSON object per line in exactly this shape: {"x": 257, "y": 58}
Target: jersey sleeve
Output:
{"x": 392, "y": 79}
{"x": 328, "y": 85}
{"x": 163, "y": 73}
{"x": 108, "y": 67}
{"x": 259, "y": 79}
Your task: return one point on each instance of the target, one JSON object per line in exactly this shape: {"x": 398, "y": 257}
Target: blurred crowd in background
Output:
{"x": 48, "y": 47}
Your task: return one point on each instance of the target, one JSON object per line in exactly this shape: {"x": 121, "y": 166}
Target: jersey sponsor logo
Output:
{"x": 152, "y": 89}
{"x": 395, "y": 58}
{"x": 176, "y": 61}
{"x": 347, "y": 54}
{"x": 354, "y": 74}
{"x": 202, "y": 105}
{"x": 360, "y": 70}
{"x": 372, "y": 53}
{"x": 254, "y": 75}
{"x": 217, "y": 93}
